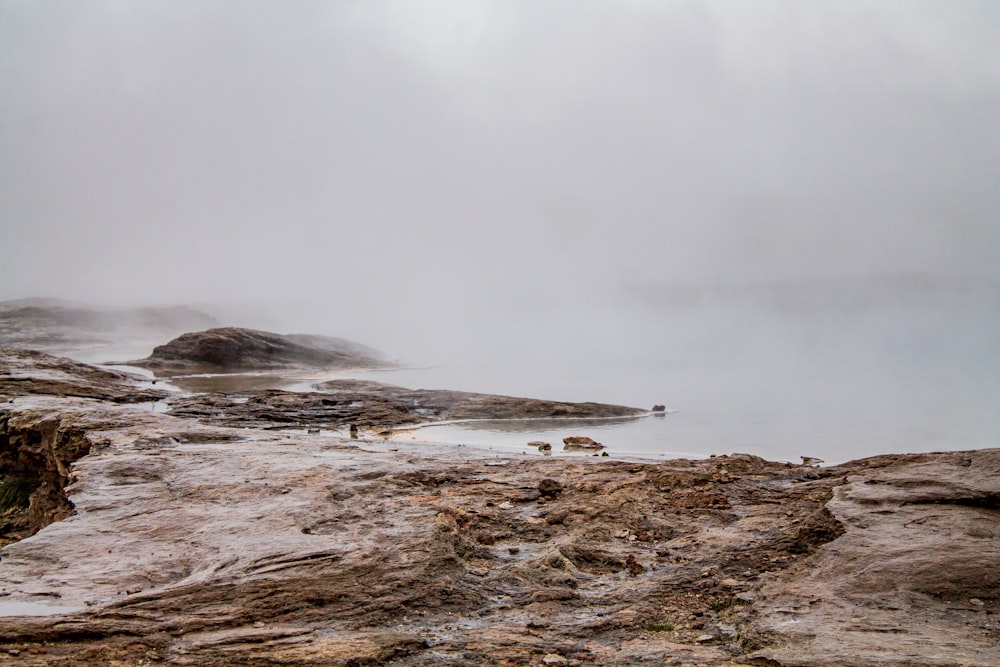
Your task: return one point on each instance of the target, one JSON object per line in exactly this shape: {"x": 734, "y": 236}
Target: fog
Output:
{"x": 518, "y": 182}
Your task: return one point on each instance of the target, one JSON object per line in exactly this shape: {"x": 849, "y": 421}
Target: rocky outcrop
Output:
{"x": 27, "y": 372}
{"x": 234, "y": 350}
{"x": 913, "y": 578}
{"x": 436, "y": 405}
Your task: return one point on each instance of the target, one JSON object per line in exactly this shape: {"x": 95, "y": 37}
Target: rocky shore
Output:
{"x": 222, "y": 532}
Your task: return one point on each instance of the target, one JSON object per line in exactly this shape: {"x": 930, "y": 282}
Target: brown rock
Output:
{"x": 582, "y": 443}
{"x": 549, "y": 488}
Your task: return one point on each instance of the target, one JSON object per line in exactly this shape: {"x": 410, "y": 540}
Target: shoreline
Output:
{"x": 211, "y": 537}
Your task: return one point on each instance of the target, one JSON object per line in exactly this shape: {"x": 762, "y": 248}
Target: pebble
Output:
{"x": 554, "y": 659}
{"x": 977, "y": 602}
{"x": 704, "y": 638}
{"x": 506, "y": 505}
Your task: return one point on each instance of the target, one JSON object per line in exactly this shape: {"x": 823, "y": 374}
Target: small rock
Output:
{"x": 581, "y": 442}
{"x": 541, "y": 444}
{"x": 728, "y": 629}
{"x": 506, "y": 505}
{"x": 513, "y": 551}
{"x": 13, "y": 651}
{"x": 977, "y": 602}
{"x": 258, "y": 624}
{"x": 605, "y": 454}
{"x": 704, "y": 638}
{"x": 553, "y": 659}
{"x": 659, "y": 408}
{"x": 811, "y": 461}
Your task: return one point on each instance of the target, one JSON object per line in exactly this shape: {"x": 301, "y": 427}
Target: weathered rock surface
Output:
{"x": 199, "y": 544}
{"x": 234, "y": 350}
{"x": 24, "y": 372}
{"x": 921, "y": 541}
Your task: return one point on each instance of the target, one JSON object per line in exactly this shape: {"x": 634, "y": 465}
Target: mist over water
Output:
{"x": 779, "y": 219}
{"x": 831, "y": 370}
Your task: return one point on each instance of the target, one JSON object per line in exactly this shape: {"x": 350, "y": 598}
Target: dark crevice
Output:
{"x": 35, "y": 460}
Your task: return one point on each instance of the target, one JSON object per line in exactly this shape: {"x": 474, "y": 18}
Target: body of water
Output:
{"x": 834, "y": 373}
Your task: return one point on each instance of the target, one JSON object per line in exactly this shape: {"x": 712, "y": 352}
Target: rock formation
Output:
{"x": 235, "y": 350}
{"x": 581, "y": 443}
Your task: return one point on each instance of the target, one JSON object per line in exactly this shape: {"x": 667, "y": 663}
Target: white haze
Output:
{"x": 553, "y": 197}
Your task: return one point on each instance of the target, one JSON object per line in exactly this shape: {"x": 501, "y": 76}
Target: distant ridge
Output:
{"x": 42, "y": 323}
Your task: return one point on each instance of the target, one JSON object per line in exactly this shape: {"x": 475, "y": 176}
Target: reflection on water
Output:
{"x": 233, "y": 383}
{"x": 645, "y": 436}
{"x": 521, "y": 426}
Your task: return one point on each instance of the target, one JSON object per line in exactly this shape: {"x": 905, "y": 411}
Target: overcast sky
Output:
{"x": 412, "y": 157}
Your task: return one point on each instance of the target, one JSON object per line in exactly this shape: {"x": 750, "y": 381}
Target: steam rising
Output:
{"x": 492, "y": 178}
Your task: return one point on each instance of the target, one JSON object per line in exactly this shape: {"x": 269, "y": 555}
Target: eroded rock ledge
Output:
{"x": 201, "y": 544}
{"x": 375, "y": 405}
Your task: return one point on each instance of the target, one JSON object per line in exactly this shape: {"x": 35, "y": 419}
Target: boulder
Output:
{"x": 581, "y": 443}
